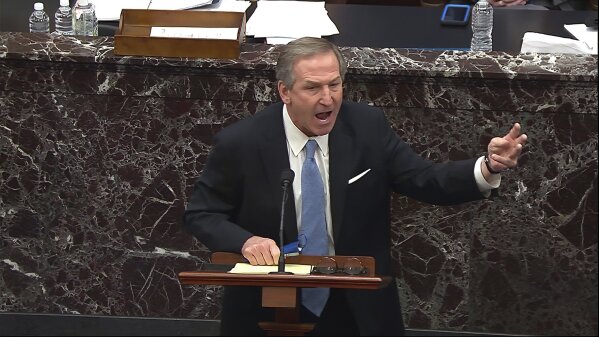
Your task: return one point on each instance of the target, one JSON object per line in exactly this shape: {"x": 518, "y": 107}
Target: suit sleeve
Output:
{"x": 445, "y": 183}
{"x": 213, "y": 205}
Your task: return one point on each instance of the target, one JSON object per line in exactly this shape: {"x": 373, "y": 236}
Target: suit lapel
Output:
{"x": 341, "y": 164}
{"x": 275, "y": 159}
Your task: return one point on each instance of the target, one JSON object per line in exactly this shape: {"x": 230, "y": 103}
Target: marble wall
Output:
{"x": 98, "y": 154}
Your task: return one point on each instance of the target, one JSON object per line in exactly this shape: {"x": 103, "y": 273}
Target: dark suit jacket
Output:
{"x": 239, "y": 194}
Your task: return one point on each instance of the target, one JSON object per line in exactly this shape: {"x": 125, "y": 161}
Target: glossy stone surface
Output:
{"x": 98, "y": 154}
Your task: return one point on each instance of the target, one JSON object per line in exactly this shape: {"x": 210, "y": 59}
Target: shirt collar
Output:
{"x": 297, "y": 139}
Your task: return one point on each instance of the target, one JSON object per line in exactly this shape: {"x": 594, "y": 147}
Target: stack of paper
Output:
{"x": 238, "y": 6}
{"x": 283, "y": 21}
{"x": 587, "y": 35}
{"x": 543, "y": 43}
{"x": 585, "y": 43}
{"x": 177, "y": 4}
{"x": 110, "y": 10}
{"x": 246, "y": 268}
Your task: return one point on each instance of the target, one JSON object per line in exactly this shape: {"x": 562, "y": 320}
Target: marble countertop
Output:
{"x": 361, "y": 60}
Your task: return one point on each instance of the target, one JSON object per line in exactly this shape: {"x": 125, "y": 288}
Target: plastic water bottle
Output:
{"x": 482, "y": 26}
{"x": 63, "y": 18}
{"x": 39, "y": 21}
{"x": 85, "y": 21}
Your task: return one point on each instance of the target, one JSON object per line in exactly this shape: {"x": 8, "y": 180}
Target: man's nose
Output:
{"x": 326, "y": 98}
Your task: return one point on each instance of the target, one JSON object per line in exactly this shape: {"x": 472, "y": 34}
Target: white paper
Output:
{"x": 279, "y": 40}
{"x": 110, "y": 10}
{"x": 543, "y": 43}
{"x": 177, "y": 4}
{"x": 195, "y": 32}
{"x": 246, "y": 268}
{"x": 585, "y": 34}
{"x": 238, "y": 6}
{"x": 284, "y": 20}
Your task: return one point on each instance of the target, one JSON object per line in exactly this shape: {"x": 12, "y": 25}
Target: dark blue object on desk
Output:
{"x": 291, "y": 248}
{"x": 455, "y": 14}
{"x": 295, "y": 248}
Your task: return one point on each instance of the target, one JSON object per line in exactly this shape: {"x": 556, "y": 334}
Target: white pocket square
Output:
{"x": 353, "y": 180}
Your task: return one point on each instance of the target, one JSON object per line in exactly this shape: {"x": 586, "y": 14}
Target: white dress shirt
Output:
{"x": 296, "y": 141}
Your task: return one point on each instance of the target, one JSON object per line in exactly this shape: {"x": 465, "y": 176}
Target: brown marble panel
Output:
{"x": 534, "y": 249}
{"x": 473, "y": 94}
{"x": 430, "y": 243}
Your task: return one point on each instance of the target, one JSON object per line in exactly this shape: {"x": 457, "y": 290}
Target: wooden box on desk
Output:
{"x": 133, "y": 36}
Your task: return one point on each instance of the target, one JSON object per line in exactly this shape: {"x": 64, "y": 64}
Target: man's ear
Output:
{"x": 284, "y": 92}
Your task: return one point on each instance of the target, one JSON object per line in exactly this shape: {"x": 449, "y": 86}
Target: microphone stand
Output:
{"x": 287, "y": 178}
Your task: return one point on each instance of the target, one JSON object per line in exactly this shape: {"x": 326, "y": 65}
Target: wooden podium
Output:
{"x": 279, "y": 291}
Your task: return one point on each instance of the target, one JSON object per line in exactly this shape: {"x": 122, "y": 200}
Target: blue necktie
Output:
{"x": 313, "y": 226}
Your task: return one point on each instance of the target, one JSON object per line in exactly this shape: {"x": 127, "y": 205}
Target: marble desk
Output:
{"x": 98, "y": 154}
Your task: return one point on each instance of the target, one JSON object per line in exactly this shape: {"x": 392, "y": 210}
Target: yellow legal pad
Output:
{"x": 246, "y": 268}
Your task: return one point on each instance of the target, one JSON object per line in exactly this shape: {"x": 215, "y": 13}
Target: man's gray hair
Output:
{"x": 301, "y": 48}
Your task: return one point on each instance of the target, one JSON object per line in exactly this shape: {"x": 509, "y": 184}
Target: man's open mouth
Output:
{"x": 323, "y": 115}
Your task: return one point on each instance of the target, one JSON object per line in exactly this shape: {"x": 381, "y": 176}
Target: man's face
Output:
{"x": 314, "y": 100}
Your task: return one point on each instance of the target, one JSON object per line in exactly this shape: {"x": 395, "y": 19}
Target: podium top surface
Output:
{"x": 278, "y": 280}
{"x": 216, "y": 273}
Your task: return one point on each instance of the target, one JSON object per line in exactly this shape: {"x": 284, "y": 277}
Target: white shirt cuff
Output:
{"x": 485, "y": 186}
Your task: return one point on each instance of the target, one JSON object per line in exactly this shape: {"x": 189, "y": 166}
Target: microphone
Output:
{"x": 286, "y": 180}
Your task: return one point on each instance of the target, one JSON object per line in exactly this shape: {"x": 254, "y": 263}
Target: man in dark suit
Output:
{"x": 235, "y": 205}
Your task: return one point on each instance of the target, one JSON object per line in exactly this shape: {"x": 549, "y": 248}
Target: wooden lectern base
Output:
{"x": 286, "y": 329}
{"x": 285, "y": 302}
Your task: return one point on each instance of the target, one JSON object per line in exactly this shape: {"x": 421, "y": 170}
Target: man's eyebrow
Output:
{"x": 310, "y": 82}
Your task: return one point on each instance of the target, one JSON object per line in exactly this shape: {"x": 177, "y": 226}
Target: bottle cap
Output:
{"x": 38, "y": 6}
{"x": 82, "y": 2}
{"x": 64, "y": 3}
